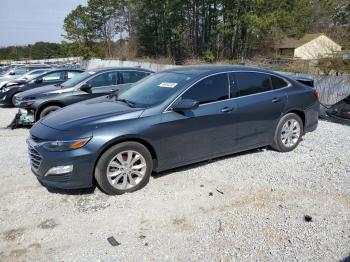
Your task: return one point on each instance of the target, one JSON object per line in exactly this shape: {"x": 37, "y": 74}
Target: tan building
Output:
{"x": 311, "y": 46}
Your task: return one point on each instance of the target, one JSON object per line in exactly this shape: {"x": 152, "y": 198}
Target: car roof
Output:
{"x": 98, "y": 70}
{"x": 198, "y": 70}
{"x": 64, "y": 69}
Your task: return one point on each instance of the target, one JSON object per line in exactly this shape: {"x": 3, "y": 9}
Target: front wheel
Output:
{"x": 13, "y": 99}
{"x": 48, "y": 110}
{"x": 288, "y": 133}
{"x": 125, "y": 167}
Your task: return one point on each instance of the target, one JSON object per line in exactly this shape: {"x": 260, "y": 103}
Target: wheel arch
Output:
{"x": 299, "y": 113}
{"x": 46, "y": 104}
{"x": 136, "y": 139}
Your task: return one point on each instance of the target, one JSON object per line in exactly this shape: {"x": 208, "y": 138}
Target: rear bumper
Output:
{"x": 311, "y": 118}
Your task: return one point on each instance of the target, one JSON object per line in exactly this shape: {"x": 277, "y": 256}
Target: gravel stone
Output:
{"x": 258, "y": 218}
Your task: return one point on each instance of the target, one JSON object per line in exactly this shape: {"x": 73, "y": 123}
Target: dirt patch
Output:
{"x": 13, "y": 234}
{"x": 182, "y": 224}
{"x": 48, "y": 224}
{"x": 91, "y": 204}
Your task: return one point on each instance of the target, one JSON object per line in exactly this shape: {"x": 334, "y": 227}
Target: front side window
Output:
{"x": 55, "y": 76}
{"x": 131, "y": 76}
{"x": 104, "y": 79}
{"x": 211, "y": 89}
{"x": 250, "y": 83}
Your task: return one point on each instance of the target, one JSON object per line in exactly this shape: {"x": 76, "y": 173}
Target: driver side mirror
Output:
{"x": 186, "y": 104}
{"x": 12, "y": 73}
{"x": 86, "y": 88}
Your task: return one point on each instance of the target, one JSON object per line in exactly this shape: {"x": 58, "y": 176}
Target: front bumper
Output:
{"x": 26, "y": 117}
{"x": 5, "y": 98}
{"x": 42, "y": 161}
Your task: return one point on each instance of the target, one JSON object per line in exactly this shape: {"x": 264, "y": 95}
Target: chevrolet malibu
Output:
{"x": 170, "y": 119}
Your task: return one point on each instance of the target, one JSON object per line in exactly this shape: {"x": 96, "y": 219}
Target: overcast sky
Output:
{"x": 29, "y": 21}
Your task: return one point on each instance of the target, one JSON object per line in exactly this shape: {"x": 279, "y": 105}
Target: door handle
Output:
{"x": 276, "y": 100}
{"x": 227, "y": 109}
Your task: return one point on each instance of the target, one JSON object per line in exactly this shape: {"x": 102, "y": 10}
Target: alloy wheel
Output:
{"x": 290, "y": 132}
{"x": 126, "y": 170}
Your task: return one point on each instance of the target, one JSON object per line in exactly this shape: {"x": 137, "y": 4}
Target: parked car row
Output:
{"x": 133, "y": 122}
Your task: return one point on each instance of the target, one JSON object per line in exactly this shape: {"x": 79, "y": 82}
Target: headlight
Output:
{"x": 5, "y": 89}
{"x": 66, "y": 145}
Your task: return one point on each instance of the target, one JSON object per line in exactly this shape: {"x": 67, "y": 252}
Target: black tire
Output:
{"x": 48, "y": 110}
{"x": 278, "y": 144}
{"x": 13, "y": 100}
{"x": 109, "y": 155}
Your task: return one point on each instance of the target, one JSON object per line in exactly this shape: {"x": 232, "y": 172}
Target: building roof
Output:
{"x": 291, "y": 43}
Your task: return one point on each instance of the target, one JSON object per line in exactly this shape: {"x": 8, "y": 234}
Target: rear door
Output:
{"x": 128, "y": 77}
{"x": 259, "y": 107}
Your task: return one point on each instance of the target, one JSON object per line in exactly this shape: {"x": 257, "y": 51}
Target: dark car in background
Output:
{"x": 52, "y": 77}
{"x": 170, "y": 119}
{"x": 93, "y": 83}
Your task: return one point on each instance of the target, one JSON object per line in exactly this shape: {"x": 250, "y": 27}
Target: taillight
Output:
{"x": 317, "y": 95}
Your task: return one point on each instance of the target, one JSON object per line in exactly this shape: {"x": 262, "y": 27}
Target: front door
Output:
{"x": 198, "y": 134}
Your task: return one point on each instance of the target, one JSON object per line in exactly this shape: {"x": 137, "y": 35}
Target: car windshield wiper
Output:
{"x": 128, "y": 102}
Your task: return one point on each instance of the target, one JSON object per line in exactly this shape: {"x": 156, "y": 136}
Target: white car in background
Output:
{"x": 27, "y": 76}
{"x": 22, "y": 71}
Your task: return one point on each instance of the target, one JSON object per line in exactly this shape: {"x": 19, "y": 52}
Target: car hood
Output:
{"x": 91, "y": 113}
{"x": 42, "y": 91}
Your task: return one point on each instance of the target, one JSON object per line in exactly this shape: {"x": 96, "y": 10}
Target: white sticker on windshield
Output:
{"x": 167, "y": 85}
{"x": 91, "y": 72}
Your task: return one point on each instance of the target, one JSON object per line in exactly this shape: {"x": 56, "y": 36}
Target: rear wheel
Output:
{"x": 125, "y": 167}
{"x": 48, "y": 110}
{"x": 288, "y": 133}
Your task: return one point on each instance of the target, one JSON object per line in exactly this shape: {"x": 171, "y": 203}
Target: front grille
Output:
{"x": 35, "y": 157}
{"x": 58, "y": 178}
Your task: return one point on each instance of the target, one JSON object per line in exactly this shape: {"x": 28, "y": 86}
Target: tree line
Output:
{"x": 209, "y": 29}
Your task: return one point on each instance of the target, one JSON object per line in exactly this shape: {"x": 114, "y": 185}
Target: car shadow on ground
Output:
{"x": 88, "y": 191}
{"x": 206, "y": 162}
{"x": 336, "y": 120}
{"x": 72, "y": 192}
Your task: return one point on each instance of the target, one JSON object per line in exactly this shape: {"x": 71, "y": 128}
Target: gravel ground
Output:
{"x": 181, "y": 215}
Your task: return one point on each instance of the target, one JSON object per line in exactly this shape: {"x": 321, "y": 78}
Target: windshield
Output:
{"x": 154, "y": 89}
{"x": 77, "y": 79}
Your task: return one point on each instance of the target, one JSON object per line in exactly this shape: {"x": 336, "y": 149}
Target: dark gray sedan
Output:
{"x": 40, "y": 102}
{"x": 170, "y": 119}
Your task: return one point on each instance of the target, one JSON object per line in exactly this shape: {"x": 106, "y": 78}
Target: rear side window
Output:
{"x": 131, "y": 76}
{"x": 71, "y": 74}
{"x": 278, "y": 82}
{"x": 250, "y": 83}
{"x": 210, "y": 89}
